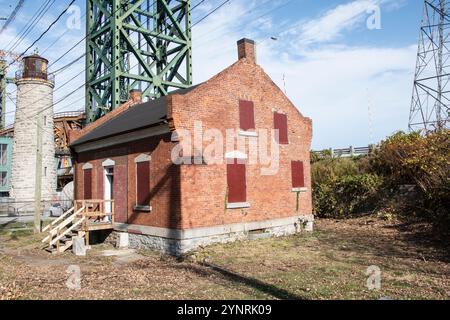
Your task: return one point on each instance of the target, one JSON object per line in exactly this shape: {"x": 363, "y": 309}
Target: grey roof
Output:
{"x": 140, "y": 116}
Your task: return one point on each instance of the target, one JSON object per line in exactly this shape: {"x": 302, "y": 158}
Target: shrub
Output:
{"x": 422, "y": 161}
{"x": 343, "y": 187}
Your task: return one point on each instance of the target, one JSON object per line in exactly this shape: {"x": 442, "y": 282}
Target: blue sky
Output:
{"x": 335, "y": 68}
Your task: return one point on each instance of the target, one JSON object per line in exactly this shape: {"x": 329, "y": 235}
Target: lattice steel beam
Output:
{"x": 431, "y": 95}
{"x": 137, "y": 44}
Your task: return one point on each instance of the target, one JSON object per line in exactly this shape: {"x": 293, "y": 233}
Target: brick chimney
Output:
{"x": 136, "y": 96}
{"x": 247, "y": 49}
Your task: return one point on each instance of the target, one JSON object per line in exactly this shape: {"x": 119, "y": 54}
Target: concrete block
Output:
{"x": 78, "y": 247}
{"x": 123, "y": 240}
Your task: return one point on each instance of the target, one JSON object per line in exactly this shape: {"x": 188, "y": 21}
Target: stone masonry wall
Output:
{"x": 33, "y": 96}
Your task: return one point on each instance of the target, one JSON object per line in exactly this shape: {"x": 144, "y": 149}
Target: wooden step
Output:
{"x": 66, "y": 246}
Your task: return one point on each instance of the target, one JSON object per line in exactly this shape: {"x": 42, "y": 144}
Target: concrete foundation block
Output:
{"x": 79, "y": 246}
{"x": 122, "y": 240}
{"x": 176, "y": 242}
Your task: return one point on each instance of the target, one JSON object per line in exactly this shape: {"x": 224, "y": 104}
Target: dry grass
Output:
{"x": 330, "y": 263}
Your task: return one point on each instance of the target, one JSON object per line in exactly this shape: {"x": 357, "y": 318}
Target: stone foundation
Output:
{"x": 180, "y": 242}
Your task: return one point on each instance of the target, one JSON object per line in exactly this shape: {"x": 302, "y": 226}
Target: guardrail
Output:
{"x": 68, "y": 114}
{"x": 345, "y": 152}
{"x": 32, "y": 74}
{"x": 59, "y": 115}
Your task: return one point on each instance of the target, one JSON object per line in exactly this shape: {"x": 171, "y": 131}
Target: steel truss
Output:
{"x": 431, "y": 95}
{"x": 137, "y": 44}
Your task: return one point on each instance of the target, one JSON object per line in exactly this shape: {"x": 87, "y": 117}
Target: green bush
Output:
{"x": 341, "y": 188}
{"x": 344, "y": 187}
{"x": 422, "y": 161}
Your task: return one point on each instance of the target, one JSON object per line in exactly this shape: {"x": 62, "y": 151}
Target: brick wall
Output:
{"x": 164, "y": 181}
{"x": 216, "y": 104}
{"x": 190, "y": 196}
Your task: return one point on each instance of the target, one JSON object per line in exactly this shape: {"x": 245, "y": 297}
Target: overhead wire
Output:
{"x": 133, "y": 45}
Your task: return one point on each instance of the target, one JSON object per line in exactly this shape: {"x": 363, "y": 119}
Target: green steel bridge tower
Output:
{"x": 135, "y": 45}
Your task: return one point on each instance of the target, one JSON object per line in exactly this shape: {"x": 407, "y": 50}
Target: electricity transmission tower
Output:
{"x": 135, "y": 44}
{"x": 431, "y": 95}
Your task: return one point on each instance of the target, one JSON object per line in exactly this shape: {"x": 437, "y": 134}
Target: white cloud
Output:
{"x": 332, "y": 83}
{"x": 334, "y": 86}
{"x": 330, "y": 26}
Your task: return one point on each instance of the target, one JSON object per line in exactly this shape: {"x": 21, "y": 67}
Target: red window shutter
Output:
{"x": 246, "y": 115}
{"x": 237, "y": 186}
{"x": 143, "y": 183}
{"x": 88, "y": 184}
{"x": 280, "y": 124}
{"x": 298, "y": 174}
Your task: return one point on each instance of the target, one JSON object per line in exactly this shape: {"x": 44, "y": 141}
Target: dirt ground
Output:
{"x": 330, "y": 263}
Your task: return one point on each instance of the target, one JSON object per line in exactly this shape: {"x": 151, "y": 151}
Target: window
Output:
{"x": 237, "y": 185}
{"x": 3, "y": 179}
{"x": 246, "y": 115}
{"x": 143, "y": 183}
{"x": 3, "y": 154}
{"x": 280, "y": 124}
{"x": 298, "y": 175}
{"x": 108, "y": 187}
{"x": 87, "y": 184}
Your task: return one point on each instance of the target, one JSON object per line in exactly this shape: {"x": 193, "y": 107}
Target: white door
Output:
{"x": 108, "y": 188}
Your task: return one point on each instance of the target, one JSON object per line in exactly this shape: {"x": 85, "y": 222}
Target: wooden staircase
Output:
{"x": 85, "y": 216}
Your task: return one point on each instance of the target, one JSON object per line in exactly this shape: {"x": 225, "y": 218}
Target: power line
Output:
{"x": 133, "y": 45}
{"x": 43, "y": 34}
{"x": 48, "y": 28}
{"x": 79, "y": 42}
{"x": 211, "y": 12}
{"x": 30, "y": 25}
{"x": 56, "y": 40}
{"x": 282, "y": 5}
{"x": 69, "y": 64}
{"x": 13, "y": 15}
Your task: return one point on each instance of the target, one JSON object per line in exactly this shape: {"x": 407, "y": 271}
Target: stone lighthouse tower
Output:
{"x": 34, "y": 100}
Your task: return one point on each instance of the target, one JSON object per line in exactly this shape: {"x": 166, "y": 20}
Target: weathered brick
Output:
{"x": 193, "y": 196}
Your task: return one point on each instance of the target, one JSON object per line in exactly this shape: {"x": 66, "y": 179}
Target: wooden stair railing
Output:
{"x": 85, "y": 216}
{"x": 64, "y": 225}
{"x": 61, "y": 218}
{"x": 66, "y": 232}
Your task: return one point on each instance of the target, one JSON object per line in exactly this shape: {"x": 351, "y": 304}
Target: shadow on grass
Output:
{"x": 236, "y": 278}
{"x": 405, "y": 240}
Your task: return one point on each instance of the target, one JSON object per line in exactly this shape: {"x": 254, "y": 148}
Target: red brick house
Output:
{"x": 175, "y": 207}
